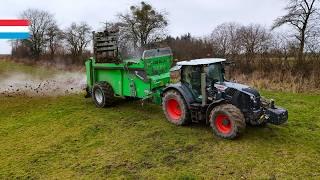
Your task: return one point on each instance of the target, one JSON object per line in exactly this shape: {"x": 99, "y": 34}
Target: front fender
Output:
{"x": 211, "y": 106}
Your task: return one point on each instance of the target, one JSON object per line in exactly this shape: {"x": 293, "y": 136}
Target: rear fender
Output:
{"x": 183, "y": 90}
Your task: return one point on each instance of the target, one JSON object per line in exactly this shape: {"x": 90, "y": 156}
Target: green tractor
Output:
{"x": 190, "y": 92}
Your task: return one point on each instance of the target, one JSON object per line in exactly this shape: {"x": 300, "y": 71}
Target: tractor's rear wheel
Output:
{"x": 175, "y": 108}
{"x": 103, "y": 95}
{"x": 227, "y": 121}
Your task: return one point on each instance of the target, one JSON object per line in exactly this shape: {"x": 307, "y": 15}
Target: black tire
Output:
{"x": 227, "y": 121}
{"x": 175, "y": 108}
{"x": 103, "y": 95}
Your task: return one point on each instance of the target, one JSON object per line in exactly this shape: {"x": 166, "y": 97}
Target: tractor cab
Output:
{"x": 199, "y": 73}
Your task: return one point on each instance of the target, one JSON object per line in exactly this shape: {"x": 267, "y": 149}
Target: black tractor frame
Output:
{"x": 206, "y": 93}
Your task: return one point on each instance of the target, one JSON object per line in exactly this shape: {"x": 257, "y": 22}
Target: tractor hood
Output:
{"x": 236, "y": 86}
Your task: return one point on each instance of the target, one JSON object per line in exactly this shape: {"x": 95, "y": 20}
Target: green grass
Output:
{"x": 69, "y": 138}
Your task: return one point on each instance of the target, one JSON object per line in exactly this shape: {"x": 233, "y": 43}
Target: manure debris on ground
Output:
{"x": 20, "y": 84}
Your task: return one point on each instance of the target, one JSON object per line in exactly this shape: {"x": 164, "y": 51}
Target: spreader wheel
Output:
{"x": 227, "y": 121}
{"x": 103, "y": 95}
{"x": 175, "y": 108}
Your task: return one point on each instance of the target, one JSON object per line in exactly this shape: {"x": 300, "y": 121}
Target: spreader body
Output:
{"x": 136, "y": 78}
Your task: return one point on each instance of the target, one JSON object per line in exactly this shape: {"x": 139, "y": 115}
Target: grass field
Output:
{"x": 68, "y": 137}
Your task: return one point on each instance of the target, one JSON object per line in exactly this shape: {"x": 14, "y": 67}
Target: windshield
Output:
{"x": 215, "y": 72}
{"x": 156, "y": 53}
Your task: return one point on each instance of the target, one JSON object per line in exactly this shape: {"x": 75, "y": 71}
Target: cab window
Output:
{"x": 214, "y": 72}
{"x": 191, "y": 75}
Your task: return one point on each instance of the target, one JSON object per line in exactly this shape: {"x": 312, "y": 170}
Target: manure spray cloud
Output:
{"x": 20, "y": 84}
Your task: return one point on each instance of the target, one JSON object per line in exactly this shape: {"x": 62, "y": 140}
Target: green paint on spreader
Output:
{"x": 137, "y": 78}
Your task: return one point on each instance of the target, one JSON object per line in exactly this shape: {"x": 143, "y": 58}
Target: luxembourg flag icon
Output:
{"x": 14, "y": 29}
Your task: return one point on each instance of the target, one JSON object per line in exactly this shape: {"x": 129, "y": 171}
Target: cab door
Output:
{"x": 191, "y": 77}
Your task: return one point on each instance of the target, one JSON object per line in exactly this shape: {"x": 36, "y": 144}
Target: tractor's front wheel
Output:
{"x": 103, "y": 95}
{"x": 227, "y": 121}
{"x": 175, "y": 108}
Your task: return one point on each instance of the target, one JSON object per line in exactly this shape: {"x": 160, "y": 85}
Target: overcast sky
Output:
{"x": 199, "y": 17}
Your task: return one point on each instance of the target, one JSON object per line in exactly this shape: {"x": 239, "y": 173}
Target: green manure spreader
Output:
{"x": 135, "y": 78}
{"x": 190, "y": 92}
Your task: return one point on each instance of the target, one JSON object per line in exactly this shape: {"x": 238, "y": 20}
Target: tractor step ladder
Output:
{"x": 194, "y": 112}
{"x": 194, "y": 117}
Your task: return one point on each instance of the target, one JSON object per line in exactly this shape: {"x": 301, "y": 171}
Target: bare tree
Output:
{"x": 301, "y": 15}
{"x": 313, "y": 42}
{"x": 225, "y": 39}
{"x": 40, "y": 21}
{"x": 280, "y": 45}
{"x": 187, "y": 47}
{"x": 77, "y": 37}
{"x": 221, "y": 39}
{"x": 142, "y": 25}
{"x": 254, "y": 39}
{"x": 54, "y": 38}
{"x": 21, "y": 48}
{"x": 313, "y": 49}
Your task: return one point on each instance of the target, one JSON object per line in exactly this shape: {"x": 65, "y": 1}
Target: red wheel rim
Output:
{"x": 223, "y": 124}
{"x": 173, "y": 109}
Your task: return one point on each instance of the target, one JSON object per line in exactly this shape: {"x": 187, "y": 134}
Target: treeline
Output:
{"x": 49, "y": 42}
{"x": 260, "y": 52}
{"x": 262, "y": 58}
{"x": 252, "y": 47}
{"x": 139, "y": 29}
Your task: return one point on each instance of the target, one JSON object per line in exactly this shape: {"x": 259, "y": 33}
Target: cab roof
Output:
{"x": 205, "y": 61}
